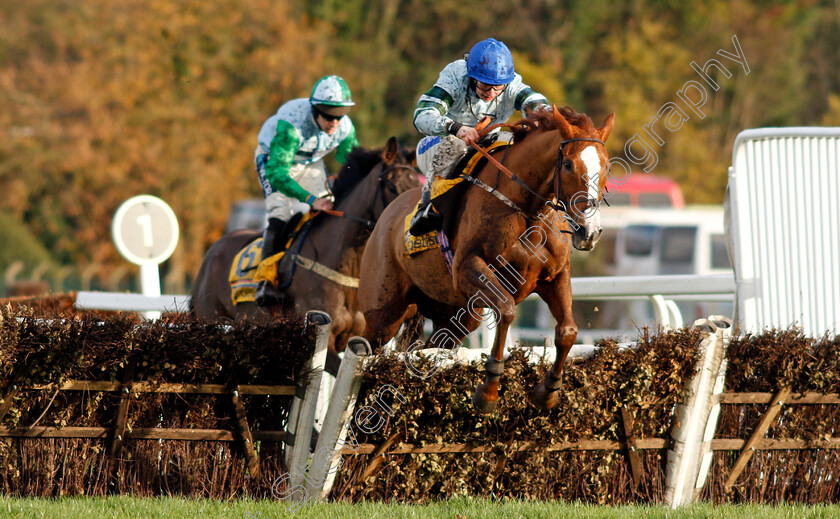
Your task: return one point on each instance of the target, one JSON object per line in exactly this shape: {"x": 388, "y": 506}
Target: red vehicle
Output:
{"x": 645, "y": 190}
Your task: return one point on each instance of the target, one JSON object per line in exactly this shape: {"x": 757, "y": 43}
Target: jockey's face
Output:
{"x": 327, "y": 123}
{"x": 488, "y": 92}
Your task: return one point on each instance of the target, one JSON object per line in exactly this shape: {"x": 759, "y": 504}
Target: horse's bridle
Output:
{"x": 558, "y": 166}
{"x": 557, "y": 206}
{"x": 383, "y": 184}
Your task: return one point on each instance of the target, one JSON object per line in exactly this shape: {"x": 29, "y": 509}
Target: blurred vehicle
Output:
{"x": 684, "y": 241}
{"x": 667, "y": 242}
{"x": 645, "y": 190}
{"x": 247, "y": 214}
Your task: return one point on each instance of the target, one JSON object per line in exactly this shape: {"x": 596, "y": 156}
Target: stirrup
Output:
{"x": 267, "y": 295}
{"x": 425, "y": 221}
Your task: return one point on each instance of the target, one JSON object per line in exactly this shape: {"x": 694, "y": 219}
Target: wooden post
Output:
{"x": 339, "y": 414}
{"x": 749, "y": 448}
{"x": 120, "y": 422}
{"x": 302, "y": 413}
{"x": 630, "y": 444}
{"x": 245, "y": 434}
{"x": 378, "y": 456}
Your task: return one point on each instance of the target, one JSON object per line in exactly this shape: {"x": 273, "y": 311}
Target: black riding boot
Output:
{"x": 426, "y": 219}
{"x": 273, "y": 238}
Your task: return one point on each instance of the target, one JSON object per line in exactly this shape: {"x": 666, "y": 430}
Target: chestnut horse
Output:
{"x": 505, "y": 247}
{"x": 367, "y": 183}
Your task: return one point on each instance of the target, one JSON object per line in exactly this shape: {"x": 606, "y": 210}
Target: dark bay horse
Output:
{"x": 503, "y": 250}
{"x": 367, "y": 183}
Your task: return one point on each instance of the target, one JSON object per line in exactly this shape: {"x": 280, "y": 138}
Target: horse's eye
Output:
{"x": 567, "y": 164}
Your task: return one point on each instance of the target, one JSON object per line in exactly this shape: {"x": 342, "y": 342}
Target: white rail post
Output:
{"x": 337, "y": 421}
{"x": 696, "y": 419}
{"x": 660, "y": 311}
{"x": 302, "y": 412}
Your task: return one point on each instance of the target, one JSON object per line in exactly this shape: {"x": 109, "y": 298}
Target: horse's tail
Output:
{"x": 412, "y": 331}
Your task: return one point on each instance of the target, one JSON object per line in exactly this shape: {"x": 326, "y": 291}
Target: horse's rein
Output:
{"x": 342, "y": 214}
{"x": 370, "y": 224}
{"x": 557, "y": 206}
{"x": 484, "y": 130}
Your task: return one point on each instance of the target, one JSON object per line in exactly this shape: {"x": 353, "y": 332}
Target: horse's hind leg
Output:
{"x": 207, "y": 293}
{"x": 558, "y": 296}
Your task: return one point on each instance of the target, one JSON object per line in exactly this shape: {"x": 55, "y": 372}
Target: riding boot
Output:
{"x": 274, "y": 237}
{"x": 426, "y": 219}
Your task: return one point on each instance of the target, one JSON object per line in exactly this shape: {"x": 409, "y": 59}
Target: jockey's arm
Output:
{"x": 347, "y": 145}
{"x": 430, "y": 115}
{"x": 281, "y": 157}
{"x": 525, "y": 99}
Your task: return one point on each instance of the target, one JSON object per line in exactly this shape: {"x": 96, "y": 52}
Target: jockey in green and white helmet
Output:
{"x": 290, "y": 149}
{"x": 483, "y": 84}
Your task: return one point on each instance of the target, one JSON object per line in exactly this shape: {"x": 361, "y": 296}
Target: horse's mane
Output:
{"x": 543, "y": 120}
{"x": 358, "y": 164}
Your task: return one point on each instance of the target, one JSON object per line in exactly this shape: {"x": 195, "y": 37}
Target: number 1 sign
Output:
{"x": 145, "y": 232}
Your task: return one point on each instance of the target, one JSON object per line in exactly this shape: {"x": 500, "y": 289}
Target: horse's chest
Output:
{"x": 534, "y": 265}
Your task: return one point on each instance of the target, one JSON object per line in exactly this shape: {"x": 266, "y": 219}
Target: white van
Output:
{"x": 670, "y": 241}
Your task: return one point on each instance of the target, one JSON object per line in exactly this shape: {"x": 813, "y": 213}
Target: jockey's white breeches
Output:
{"x": 435, "y": 155}
{"x": 311, "y": 177}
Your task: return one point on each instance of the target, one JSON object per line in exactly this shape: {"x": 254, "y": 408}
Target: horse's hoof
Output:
{"x": 481, "y": 405}
{"x": 542, "y": 398}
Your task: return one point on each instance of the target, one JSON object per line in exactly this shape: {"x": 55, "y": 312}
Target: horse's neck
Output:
{"x": 336, "y": 238}
{"x": 535, "y": 156}
{"x": 531, "y": 161}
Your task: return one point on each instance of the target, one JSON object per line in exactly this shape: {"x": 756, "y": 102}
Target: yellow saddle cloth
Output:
{"x": 248, "y": 267}
{"x": 242, "y": 285}
{"x": 415, "y": 244}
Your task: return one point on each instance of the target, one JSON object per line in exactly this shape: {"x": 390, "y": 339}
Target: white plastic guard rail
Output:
{"x": 634, "y": 286}
{"x": 132, "y": 302}
{"x": 711, "y": 287}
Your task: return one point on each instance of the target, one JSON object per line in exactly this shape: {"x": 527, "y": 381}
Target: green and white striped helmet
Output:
{"x": 331, "y": 95}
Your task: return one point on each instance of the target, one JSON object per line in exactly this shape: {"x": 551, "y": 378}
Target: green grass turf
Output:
{"x": 129, "y": 507}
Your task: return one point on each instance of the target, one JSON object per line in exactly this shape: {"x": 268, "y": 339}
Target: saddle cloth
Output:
{"x": 243, "y": 288}
{"x": 446, "y": 196}
{"x": 248, "y": 269}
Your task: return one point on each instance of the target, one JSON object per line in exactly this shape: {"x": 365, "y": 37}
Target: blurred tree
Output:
{"x": 20, "y": 245}
{"x": 106, "y": 101}
{"x": 102, "y": 101}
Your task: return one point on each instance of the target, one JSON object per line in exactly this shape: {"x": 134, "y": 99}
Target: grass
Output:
{"x": 153, "y": 508}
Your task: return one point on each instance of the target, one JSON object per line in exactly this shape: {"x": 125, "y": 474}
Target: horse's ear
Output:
{"x": 606, "y": 128}
{"x": 562, "y": 124}
{"x": 389, "y": 154}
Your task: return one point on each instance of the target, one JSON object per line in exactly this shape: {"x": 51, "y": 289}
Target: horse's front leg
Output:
{"x": 475, "y": 278}
{"x": 558, "y": 296}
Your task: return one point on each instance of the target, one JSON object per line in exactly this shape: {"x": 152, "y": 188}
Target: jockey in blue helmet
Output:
{"x": 483, "y": 84}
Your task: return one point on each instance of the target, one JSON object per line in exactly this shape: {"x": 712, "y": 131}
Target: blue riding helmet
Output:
{"x": 490, "y": 62}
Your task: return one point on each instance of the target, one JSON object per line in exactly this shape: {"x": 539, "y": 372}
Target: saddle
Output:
{"x": 446, "y": 196}
{"x": 248, "y": 269}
